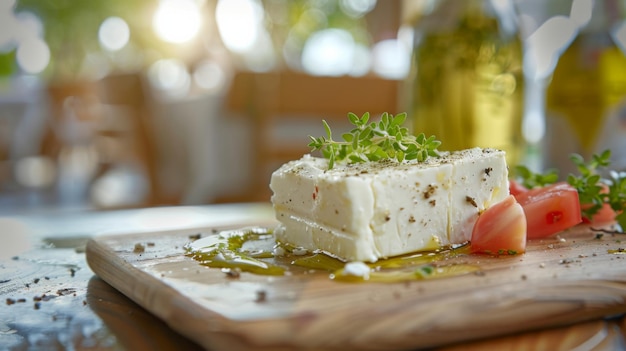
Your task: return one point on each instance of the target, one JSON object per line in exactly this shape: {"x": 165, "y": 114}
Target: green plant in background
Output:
{"x": 7, "y": 63}
{"x": 292, "y": 22}
{"x": 70, "y": 29}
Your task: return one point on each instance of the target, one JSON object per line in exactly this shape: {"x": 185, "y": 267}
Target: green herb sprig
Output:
{"x": 594, "y": 191}
{"x": 531, "y": 180}
{"x": 374, "y": 141}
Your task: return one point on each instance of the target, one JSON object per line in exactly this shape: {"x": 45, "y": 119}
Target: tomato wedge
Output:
{"x": 516, "y": 188}
{"x": 604, "y": 215}
{"x": 500, "y": 230}
{"x": 550, "y": 209}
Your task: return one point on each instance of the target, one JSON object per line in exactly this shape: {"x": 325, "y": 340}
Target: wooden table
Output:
{"x": 51, "y": 300}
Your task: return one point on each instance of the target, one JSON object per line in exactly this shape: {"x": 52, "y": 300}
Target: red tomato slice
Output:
{"x": 500, "y": 230}
{"x": 604, "y": 215}
{"x": 550, "y": 209}
{"x": 516, "y": 188}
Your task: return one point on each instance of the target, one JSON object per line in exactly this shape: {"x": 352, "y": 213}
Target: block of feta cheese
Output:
{"x": 367, "y": 211}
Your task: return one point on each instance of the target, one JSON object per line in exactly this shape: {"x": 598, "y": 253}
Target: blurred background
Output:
{"x": 108, "y": 104}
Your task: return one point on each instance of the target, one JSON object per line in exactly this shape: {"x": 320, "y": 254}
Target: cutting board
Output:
{"x": 577, "y": 276}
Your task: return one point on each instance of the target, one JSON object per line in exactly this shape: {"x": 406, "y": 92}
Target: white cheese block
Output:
{"x": 373, "y": 210}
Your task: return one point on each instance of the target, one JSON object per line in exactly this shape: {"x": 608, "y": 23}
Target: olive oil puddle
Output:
{"x": 255, "y": 250}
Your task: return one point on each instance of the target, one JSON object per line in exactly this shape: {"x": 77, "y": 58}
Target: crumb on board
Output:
{"x": 261, "y": 296}
{"x": 139, "y": 248}
{"x": 232, "y": 272}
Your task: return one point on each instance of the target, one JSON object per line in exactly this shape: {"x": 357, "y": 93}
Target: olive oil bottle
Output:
{"x": 586, "y": 96}
{"x": 466, "y": 82}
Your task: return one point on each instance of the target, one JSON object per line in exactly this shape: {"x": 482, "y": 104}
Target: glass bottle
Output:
{"x": 586, "y": 95}
{"x": 466, "y": 82}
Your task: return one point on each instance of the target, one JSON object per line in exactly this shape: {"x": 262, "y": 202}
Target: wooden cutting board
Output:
{"x": 577, "y": 276}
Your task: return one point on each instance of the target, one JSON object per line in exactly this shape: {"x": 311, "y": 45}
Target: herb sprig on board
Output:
{"x": 530, "y": 179}
{"x": 374, "y": 141}
{"x": 594, "y": 190}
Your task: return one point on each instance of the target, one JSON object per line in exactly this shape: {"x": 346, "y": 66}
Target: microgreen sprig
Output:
{"x": 374, "y": 141}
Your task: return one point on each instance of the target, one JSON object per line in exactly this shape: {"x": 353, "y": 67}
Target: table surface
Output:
{"x": 52, "y": 300}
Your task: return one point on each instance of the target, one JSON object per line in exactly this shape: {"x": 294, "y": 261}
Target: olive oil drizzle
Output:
{"x": 228, "y": 249}
{"x": 416, "y": 266}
